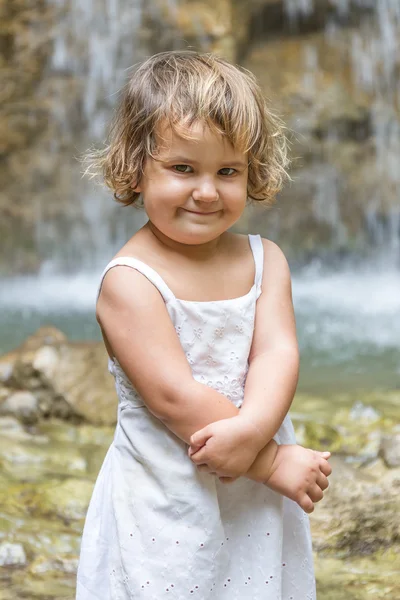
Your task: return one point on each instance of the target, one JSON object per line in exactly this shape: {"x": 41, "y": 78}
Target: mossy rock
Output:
{"x": 67, "y": 500}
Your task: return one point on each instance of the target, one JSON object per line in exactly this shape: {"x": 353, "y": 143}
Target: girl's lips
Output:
{"x": 195, "y": 212}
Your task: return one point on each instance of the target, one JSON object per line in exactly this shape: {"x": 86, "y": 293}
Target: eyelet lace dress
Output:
{"x": 158, "y": 529}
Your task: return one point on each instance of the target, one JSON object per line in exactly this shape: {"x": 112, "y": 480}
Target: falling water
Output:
{"x": 95, "y": 41}
{"x": 374, "y": 54}
{"x": 346, "y": 320}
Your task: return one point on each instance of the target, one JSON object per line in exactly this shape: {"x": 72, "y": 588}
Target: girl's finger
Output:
{"x": 199, "y": 457}
{"x": 325, "y": 467}
{"x": 322, "y": 481}
{"x": 198, "y": 439}
{"x": 315, "y": 493}
{"x": 307, "y": 504}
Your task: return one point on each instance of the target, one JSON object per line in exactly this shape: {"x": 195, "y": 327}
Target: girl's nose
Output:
{"x": 205, "y": 191}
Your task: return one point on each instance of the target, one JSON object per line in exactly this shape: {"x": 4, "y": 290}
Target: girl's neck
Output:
{"x": 197, "y": 252}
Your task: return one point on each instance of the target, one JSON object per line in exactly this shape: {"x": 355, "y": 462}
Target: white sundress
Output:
{"x": 158, "y": 529}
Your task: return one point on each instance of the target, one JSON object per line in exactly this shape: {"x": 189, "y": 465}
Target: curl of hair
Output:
{"x": 177, "y": 89}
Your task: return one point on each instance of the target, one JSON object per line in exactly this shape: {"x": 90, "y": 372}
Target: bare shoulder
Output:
{"x": 272, "y": 252}
{"x": 275, "y": 262}
{"x": 126, "y": 289}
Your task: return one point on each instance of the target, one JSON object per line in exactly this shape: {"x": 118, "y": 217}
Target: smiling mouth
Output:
{"x": 195, "y": 212}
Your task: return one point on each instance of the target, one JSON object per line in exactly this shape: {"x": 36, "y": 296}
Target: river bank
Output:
{"x": 57, "y": 412}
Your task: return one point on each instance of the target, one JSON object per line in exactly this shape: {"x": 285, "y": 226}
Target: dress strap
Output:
{"x": 148, "y": 272}
{"x": 258, "y": 254}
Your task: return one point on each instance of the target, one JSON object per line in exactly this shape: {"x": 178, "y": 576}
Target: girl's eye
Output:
{"x": 227, "y": 171}
{"x": 182, "y": 168}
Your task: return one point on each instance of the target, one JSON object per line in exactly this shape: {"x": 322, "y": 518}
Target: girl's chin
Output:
{"x": 195, "y": 235}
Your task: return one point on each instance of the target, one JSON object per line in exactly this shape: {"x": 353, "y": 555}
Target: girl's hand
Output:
{"x": 226, "y": 448}
{"x": 300, "y": 474}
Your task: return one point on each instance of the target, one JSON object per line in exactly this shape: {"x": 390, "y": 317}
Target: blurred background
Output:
{"x": 331, "y": 69}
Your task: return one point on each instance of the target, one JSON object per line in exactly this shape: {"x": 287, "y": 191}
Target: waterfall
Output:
{"x": 374, "y": 30}
{"x": 91, "y": 46}
{"x": 94, "y": 42}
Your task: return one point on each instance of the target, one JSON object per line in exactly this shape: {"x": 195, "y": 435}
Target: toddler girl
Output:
{"x": 203, "y": 492}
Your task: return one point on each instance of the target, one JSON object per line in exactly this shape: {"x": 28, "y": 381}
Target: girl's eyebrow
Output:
{"x": 185, "y": 160}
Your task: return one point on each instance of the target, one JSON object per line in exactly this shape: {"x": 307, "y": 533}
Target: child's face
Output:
{"x": 195, "y": 189}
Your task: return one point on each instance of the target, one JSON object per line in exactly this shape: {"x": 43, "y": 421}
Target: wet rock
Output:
{"x": 23, "y": 405}
{"x": 57, "y": 566}
{"x": 219, "y": 27}
{"x": 10, "y": 426}
{"x": 34, "y": 458}
{"x": 12, "y": 555}
{"x": 280, "y": 18}
{"x": 359, "y": 513}
{"x": 364, "y": 414}
{"x": 341, "y": 436}
{"x": 5, "y": 371}
{"x": 332, "y": 124}
{"x": 359, "y": 577}
{"x": 390, "y": 451}
{"x": 46, "y": 360}
{"x": 67, "y": 500}
{"x": 69, "y": 381}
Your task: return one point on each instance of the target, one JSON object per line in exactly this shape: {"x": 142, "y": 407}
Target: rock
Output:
{"x": 219, "y": 27}
{"x": 23, "y": 405}
{"x": 69, "y": 381}
{"x": 5, "y": 370}
{"x": 46, "y": 360}
{"x": 10, "y": 426}
{"x": 67, "y": 500}
{"x": 390, "y": 450}
{"x": 58, "y": 566}
{"x": 358, "y": 578}
{"x": 44, "y": 336}
{"x": 331, "y": 124}
{"x": 364, "y": 414}
{"x": 83, "y": 380}
{"x": 35, "y": 458}
{"x": 12, "y": 555}
{"x": 359, "y": 513}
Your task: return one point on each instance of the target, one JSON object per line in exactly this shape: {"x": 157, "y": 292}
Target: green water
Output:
{"x": 348, "y": 323}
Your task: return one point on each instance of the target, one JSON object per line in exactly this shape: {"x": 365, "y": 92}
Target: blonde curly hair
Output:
{"x": 177, "y": 89}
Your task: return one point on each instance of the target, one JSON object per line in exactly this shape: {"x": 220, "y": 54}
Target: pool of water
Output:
{"x": 348, "y": 322}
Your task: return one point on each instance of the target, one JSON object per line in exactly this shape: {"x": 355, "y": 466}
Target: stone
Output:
{"x": 5, "y": 370}
{"x": 12, "y": 555}
{"x": 46, "y": 361}
{"x": 10, "y": 426}
{"x": 390, "y": 450}
{"x": 364, "y": 414}
{"x": 69, "y": 381}
{"x": 219, "y": 27}
{"x": 23, "y": 405}
{"x": 359, "y": 513}
{"x": 59, "y": 566}
{"x": 66, "y": 500}
{"x": 35, "y": 458}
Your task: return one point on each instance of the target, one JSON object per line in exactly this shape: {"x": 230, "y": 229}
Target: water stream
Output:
{"x": 347, "y": 323}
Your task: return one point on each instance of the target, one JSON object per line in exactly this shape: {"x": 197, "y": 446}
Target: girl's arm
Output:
{"x": 139, "y": 333}
{"x": 274, "y": 357}
{"x": 273, "y": 368}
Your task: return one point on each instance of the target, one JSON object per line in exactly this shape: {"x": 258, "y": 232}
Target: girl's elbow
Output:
{"x": 171, "y": 401}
